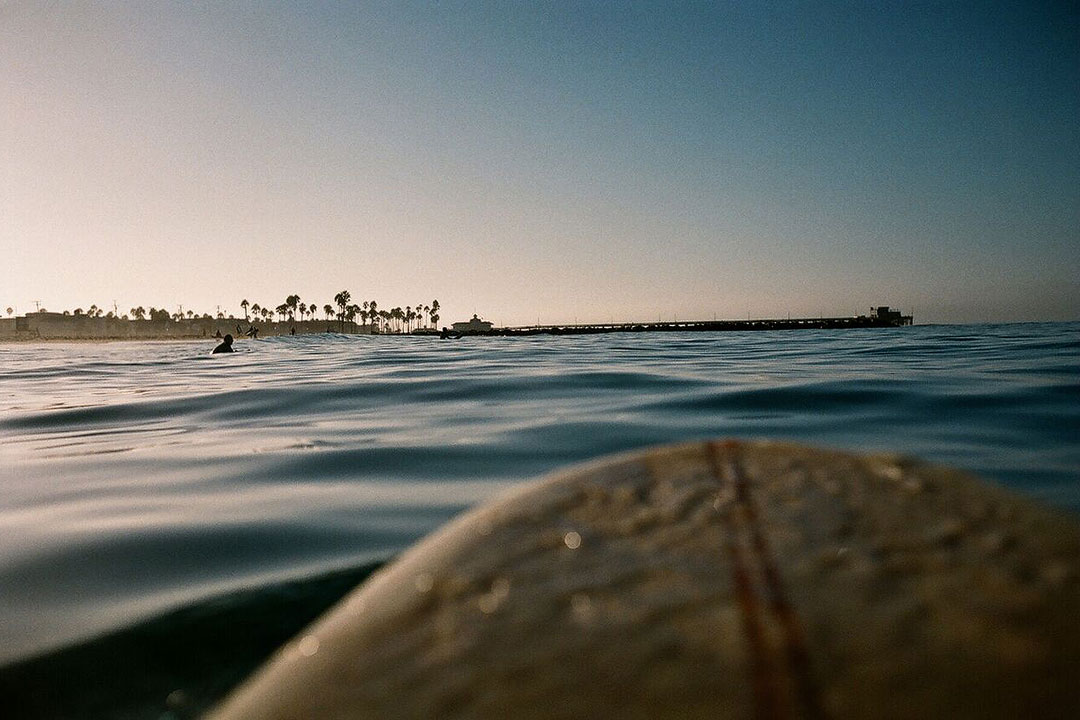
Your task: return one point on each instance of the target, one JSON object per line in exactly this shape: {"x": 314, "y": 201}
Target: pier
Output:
{"x": 880, "y": 317}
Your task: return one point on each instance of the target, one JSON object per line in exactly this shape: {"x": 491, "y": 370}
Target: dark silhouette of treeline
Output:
{"x": 343, "y": 310}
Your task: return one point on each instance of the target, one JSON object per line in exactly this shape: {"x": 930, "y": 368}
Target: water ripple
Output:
{"x": 139, "y": 477}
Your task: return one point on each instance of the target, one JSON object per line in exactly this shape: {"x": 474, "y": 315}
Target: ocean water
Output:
{"x": 167, "y": 517}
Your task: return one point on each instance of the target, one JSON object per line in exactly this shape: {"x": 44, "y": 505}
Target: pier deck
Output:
{"x": 859, "y": 321}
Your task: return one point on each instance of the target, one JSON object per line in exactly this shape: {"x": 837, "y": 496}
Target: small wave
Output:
{"x": 155, "y": 475}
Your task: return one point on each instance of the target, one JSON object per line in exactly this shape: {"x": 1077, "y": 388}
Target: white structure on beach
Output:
{"x": 473, "y": 325}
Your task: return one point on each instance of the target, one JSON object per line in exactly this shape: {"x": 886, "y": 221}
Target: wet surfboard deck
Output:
{"x": 716, "y": 579}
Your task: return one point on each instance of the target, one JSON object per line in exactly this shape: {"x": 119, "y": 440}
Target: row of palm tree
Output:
{"x": 343, "y": 309}
{"x": 288, "y": 310}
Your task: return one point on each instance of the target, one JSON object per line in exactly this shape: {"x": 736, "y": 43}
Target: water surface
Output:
{"x": 138, "y": 479}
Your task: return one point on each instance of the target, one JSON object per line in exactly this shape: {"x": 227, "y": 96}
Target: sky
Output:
{"x": 544, "y": 161}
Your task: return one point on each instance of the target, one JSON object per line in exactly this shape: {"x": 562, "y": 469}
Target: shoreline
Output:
{"x": 53, "y": 327}
{"x": 80, "y": 341}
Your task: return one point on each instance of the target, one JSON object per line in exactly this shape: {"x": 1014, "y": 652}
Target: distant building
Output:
{"x": 474, "y": 325}
{"x": 882, "y": 312}
{"x": 885, "y": 316}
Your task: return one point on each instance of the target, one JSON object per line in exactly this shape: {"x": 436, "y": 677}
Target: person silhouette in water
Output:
{"x": 225, "y": 346}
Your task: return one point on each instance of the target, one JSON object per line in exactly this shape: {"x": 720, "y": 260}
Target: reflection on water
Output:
{"x": 139, "y": 478}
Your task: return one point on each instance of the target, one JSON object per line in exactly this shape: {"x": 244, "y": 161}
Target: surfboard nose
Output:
{"x": 711, "y": 579}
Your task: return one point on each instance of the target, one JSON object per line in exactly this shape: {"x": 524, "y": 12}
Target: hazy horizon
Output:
{"x": 544, "y": 161}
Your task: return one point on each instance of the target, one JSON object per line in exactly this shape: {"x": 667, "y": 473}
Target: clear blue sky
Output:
{"x": 551, "y": 160}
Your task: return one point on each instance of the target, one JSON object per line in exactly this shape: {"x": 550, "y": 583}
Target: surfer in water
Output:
{"x": 225, "y": 346}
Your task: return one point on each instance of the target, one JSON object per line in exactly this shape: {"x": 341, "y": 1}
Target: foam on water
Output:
{"x": 142, "y": 478}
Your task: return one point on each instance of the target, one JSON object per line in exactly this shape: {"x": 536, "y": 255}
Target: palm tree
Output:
{"x": 256, "y": 309}
{"x": 435, "y": 314}
{"x": 329, "y": 310}
{"x": 291, "y": 304}
{"x": 244, "y": 304}
{"x": 373, "y": 313}
{"x": 342, "y": 299}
